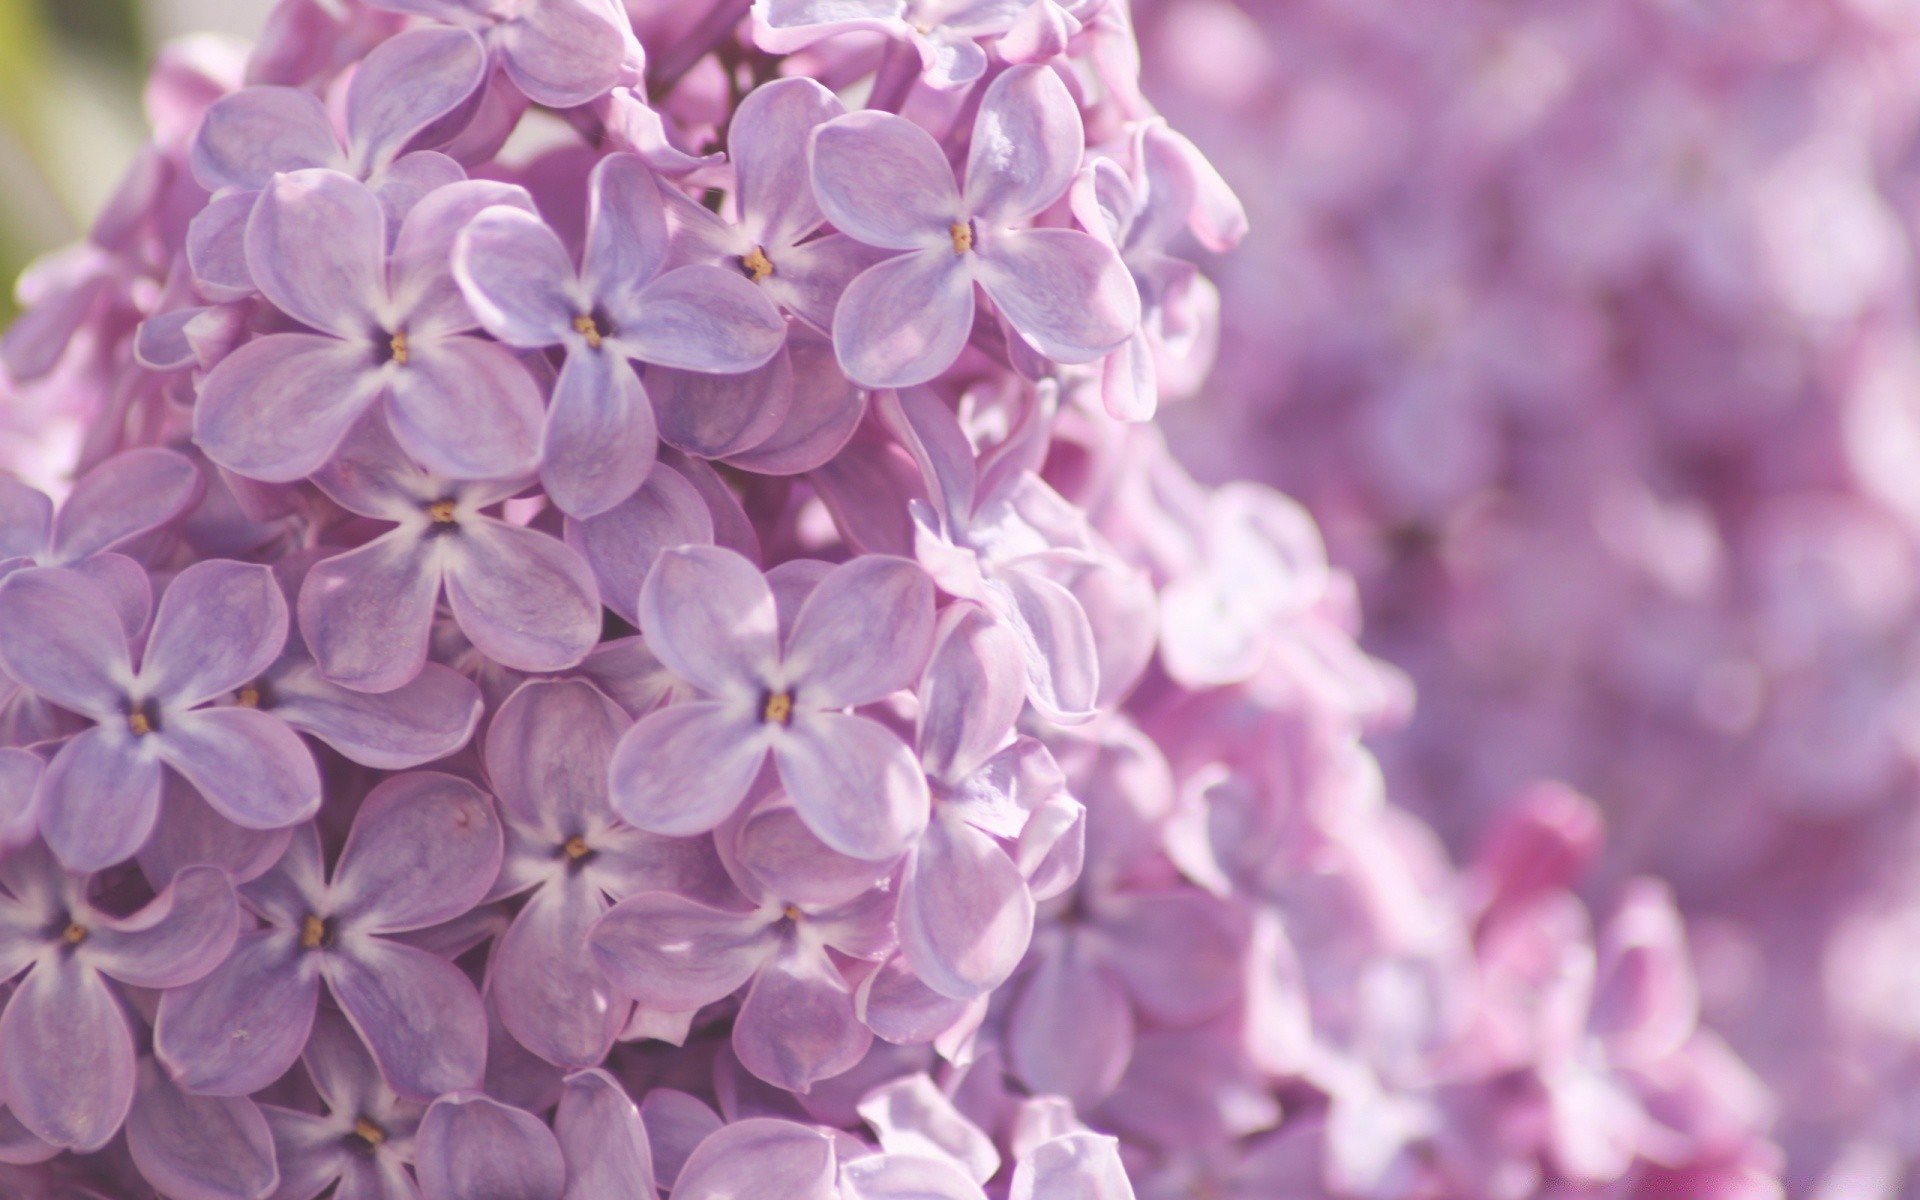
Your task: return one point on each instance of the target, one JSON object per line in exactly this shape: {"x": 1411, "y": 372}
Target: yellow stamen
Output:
{"x": 249, "y": 697}
{"x": 73, "y": 935}
{"x": 369, "y": 1133}
{"x": 962, "y": 234}
{"x": 139, "y": 723}
{"x": 398, "y": 345}
{"x": 791, "y": 912}
{"x": 441, "y": 511}
{"x": 757, "y": 263}
{"x": 586, "y": 328}
{"x": 576, "y": 848}
{"x": 313, "y": 932}
{"x": 779, "y": 708}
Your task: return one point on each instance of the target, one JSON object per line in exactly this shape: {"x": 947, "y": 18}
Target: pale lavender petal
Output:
{"x": 545, "y": 986}
{"x": 429, "y": 717}
{"x": 367, "y": 614}
{"x": 183, "y": 933}
{"x": 682, "y": 769}
{"x": 199, "y": 1147}
{"x": 190, "y": 833}
{"x": 1066, "y": 292}
{"x": 709, "y": 615}
{"x": 1074, "y": 1166}
{"x": 1027, "y": 141}
{"x": 778, "y": 850}
{"x": 18, "y": 1146}
{"x": 1071, "y": 1030}
{"x": 767, "y": 141}
{"x": 241, "y": 1027}
{"x": 913, "y": 1116}
{"x": 99, "y": 799}
{"x": 466, "y": 409}
{"x": 1053, "y": 846}
{"x": 715, "y": 416}
{"x": 699, "y": 318}
{"x": 411, "y": 179}
{"x": 864, "y": 633}
{"x": 1179, "y": 952}
{"x": 858, "y": 786}
{"x": 676, "y": 1124}
{"x": 562, "y": 53}
{"x": 547, "y": 751}
{"x": 883, "y": 180}
{"x": 60, "y": 637}
{"x": 308, "y": 1151}
{"x": 26, "y": 520}
{"x": 810, "y": 278}
{"x": 600, "y": 435}
{"x": 518, "y": 278}
{"x": 732, "y": 528}
{"x": 253, "y": 769}
{"x": 134, "y": 491}
{"x": 603, "y": 1140}
{"x": 126, "y": 583}
{"x": 907, "y": 1177}
{"x": 525, "y": 598}
{"x": 973, "y": 691}
{"x": 317, "y": 247}
{"x": 66, "y": 1056}
{"x": 20, "y": 773}
{"x": 797, "y": 1024}
{"x": 622, "y": 543}
{"x": 626, "y": 230}
{"x": 423, "y": 849}
{"x": 418, "y": 1014}
{"x": 249, "y": 136}
{"x": 932, "y": 434}
{"x": 217, "y": 247}
{"x": 906, "y": 320}
{"x": 470, "y": 1147}
{"x": 759, "y": 1157}
{"x": 219, "y": 625}
{"x": 675, "y": 954}
{"x": 824, "y": 412}
{"x": 406, "y": 84}
{"x": 427, "y": 298}
{"x": 1062, "y": 658}
{"x": 275, "y": 409}
{"x": 965, "y": 913}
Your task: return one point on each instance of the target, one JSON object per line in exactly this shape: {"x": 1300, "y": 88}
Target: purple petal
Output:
{"x": 622, "y": 543}
{"x": 217, "y": 247}
{"x": 466, "y": 409}
{"x": 600, "y": 435}
{"x": 518, "y": 278}
{"x": 1183, "y": 951}
{"x": 249, "y": 136}
{"x": 1066, "y": 292}
{"x": 675, "y": 954}
{"x": 125, "y": 583}
{"x": 913, "y": 1116}
{"x": 418, "y": 1014}
{"x": 547, "y": 752}
{"x": 423, "y": 849}
{"x": 191, "y": 834}
{"x": 810, "y": 278}
{"x": 18, "y": 1146}
{"x": 428, "y": 717}
{"x": 1027, "y": 141}
{"x": 1071, "y": 1029}
{"x": 183, "y": 933}
{"x": 863, "y": 634}
{"x": 603, "y": 1140}
{"x": 883, "y": 180}
{"x": 411, "y": 179}
{"x": 906, "y": 320}
{"x": 907, "y": 1177}
{"x": 857, "y": 785}
{"x": 715, "y": 416}
{"x": 767, "y": 141}
{"x": 240, "y": 1028}
{"x": 973, "y": 691}
{"x": 219, "y": 625}
{"x": 26, "y": 520}
{"x": 1062, "y": 659}
{"x": 562, "y": 53}
{"x": 824, "y": 412}
{"x": 965, "y": 913}
{"x": 524, "y": 598}
{"x": 99, "y": 799}
{"x": 626, "y": 230}
{"x": 20, "y": 773}
{"x": 275, "y": 409}
{"x": 60, "y": 636}
{"x": 709, "y": 615}
{"x": 251, "y": 768}
{"x": 683, "y": 769}
{"x": 932, "y": 434}
{"x": 122, "y": 498}
{"x": 406, "y": 84}
{"x": 759, "y": 1157}
{"x": 699, "y": 318}
{"x": 1080, "y": 1166}
{"x": 547, "y": 990}
{"x": 788, "y": 861}
{"x": 367, "y": 614}
{"x": 317, "y": 248}
{"x": 797, "y": 1024}
{"x": 426, "y": 296}
{"x": 66, "y": 1056}
{"x": 472, "y": 1148}
{"x": 199, "y": 1147}
{"x": 676, "y": 1124}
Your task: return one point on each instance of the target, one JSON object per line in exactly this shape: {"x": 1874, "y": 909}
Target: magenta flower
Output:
{"x": 424, "y": 848}
{"x": 219, "y": 625}
{"x": 618, "y": 306}
{"x": 392, "y": 333}
{"x": 66, "y": 1051}
{"x": 863, "y": 634}
{"x": 884, "y": 181}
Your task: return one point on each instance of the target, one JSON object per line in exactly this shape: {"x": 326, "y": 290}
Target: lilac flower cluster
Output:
{"x": 586, "y": 657}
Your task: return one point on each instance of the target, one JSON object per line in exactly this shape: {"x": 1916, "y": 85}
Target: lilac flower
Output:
{"x": 546, "y": 753}
{"x": 130, "y": 494}
{"x": 424, "y": 848}
{"x": 188, "y": 1145}
{"x": 863, "y": 634}
{"x": 219, "y": 624}
{"x": 797, "y": 1024}
{"x": 884, "y": 181}
{"x": 392, "y": 335}
{"x": 559, "y": 52}
{"x": 520, "y": 280}
{"x": 521, "y": 596}
{"x": 427, "y": 718}
{"x": 365, "y": 1139}
{"x": 945, "y": 33}
{"x": 66, "y": 1052}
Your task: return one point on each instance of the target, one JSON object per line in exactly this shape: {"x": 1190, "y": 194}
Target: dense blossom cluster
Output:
{"x": 1588, "y": 334}
{"x": 583, "y": 655}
